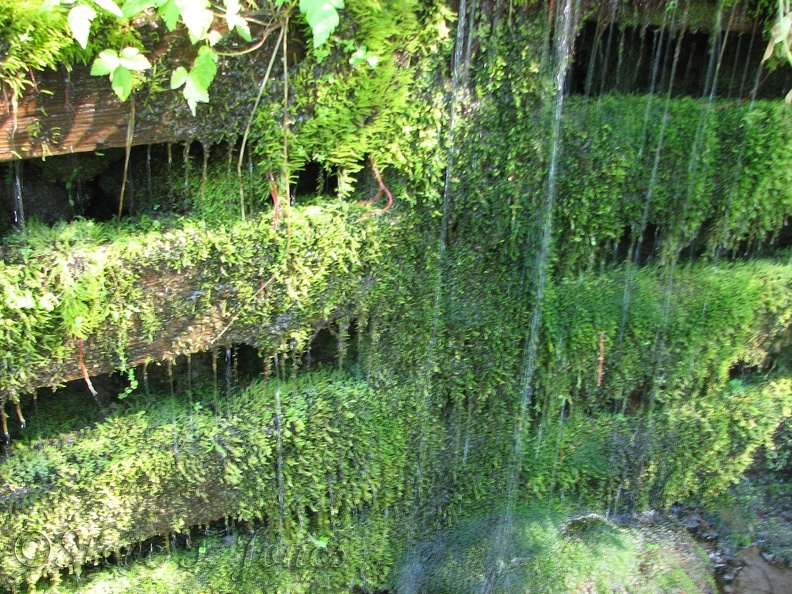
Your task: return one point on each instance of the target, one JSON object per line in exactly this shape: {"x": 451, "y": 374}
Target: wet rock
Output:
{"x": 692, "y": 523}
{"x": 769, "y": 557}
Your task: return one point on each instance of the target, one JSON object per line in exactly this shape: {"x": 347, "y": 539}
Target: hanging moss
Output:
{"x": 150, "y": 291}
{"x": 305, "y": 457}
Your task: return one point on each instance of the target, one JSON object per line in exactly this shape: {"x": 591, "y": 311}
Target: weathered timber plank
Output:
{"x": 76, "y": 112}
{"x": 185, "y": 291}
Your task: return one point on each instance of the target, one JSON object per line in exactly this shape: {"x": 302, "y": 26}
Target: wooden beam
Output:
{"x": 74, "y": 112}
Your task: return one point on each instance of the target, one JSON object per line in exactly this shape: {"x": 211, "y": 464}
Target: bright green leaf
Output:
{"x": 196, "y": 16}
{"x": 195, "y": 93}
{"x": 110, "y": 7}
{"x": 48, "y": 6}
{"x": 214, "y": 37}
{"x": 79, "y": 20}
{"x": 322, "y": 17}
{"x": 170, "y": 14}
{"x": 244, "y": 32}
{"x": 235, "y": 21}
{"x": 205, "y": 67}
{"x": 132, "y": 59}
{"x": 105, "y": 63}
{"x": 122, "y": 82}
{"x": 178, "y": 77}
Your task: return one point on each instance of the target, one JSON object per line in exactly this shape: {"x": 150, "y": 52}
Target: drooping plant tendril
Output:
{"x": 275, "y": 200}
{"x": 601, "y": 359}
{"x": 4, "y": 422}
{"x": 22, "y": 422}
{"x": 84, "y": 369}
{"x": 382, "y": 188}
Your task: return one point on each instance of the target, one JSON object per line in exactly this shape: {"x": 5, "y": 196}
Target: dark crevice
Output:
{"x": 622, "y": 60}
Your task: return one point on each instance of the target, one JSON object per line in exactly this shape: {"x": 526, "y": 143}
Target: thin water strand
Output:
{"x": 563, "y": 54}
{"x": 19, "y": 208}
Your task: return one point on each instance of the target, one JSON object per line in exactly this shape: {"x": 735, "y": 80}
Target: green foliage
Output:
{"x": 533, "y": 551}
{"x": 120, "y": 68}
{"x": 196, "y": 82}
{"x": 322, "y": 18}
{"x": 344, "y": 116}
{"x": 305, "y": 457}
{"x": 82, "y": 281}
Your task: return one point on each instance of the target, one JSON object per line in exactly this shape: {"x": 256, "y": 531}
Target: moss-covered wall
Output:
{"x": 663, "y": 346}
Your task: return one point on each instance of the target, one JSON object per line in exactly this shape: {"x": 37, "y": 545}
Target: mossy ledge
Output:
{"x": 116, "y": 298}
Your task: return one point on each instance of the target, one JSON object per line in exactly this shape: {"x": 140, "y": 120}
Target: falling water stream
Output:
{"x": 564, "y": 35}
{"x": 19, "y": 209}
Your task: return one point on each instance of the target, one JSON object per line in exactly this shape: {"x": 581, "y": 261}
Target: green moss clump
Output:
{"x": 306, "y": 458}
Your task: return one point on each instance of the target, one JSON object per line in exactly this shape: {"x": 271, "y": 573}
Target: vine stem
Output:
{"x": 250, "y": 123}
{"x": 83, "y": 368}
{"x": 130, "y": 135}
{"x": 276, "y": 204}
{"x": 286, "y": 112}
{"x": 4, "y": 421}
{"x": 22, "y": 422}
{"x": 382, "y": 188}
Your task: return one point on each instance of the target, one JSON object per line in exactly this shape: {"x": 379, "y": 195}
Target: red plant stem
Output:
{"x": 601, "y": 359}
{"x": 383, "y": 188}
{"x": 373, "y": 200}
{"x": 4, "y": 420}
{"x": 83, "y": 368}
{"x": 275, "y": 200}
{"x": 22, "y": 422}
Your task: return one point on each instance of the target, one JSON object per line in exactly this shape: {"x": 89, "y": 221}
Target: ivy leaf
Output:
{"x": 205, "y": 67}
{"x": 197, "y": 16}
{"x": 110, "y": 7}
{"x": 194, "y": 94}
{"x": 132, "y": 59}
{"x": 122, "y": 82}
{"x": 322, "y": 17}
{"x": 214, "y": 37}
{"x": 235, "y": 21}
{"x": 170, "y": 14}
{"x": 105, "y": 63}
{"x": 79, "y": 20}
{"x": 178, "y": 77}
{"x": 132, "y": 8}
{"x": 48, "y": 6}
{"x": 196, "y": 85}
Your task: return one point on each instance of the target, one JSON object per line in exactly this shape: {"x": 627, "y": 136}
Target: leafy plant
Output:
{"x": 120, "y": 68}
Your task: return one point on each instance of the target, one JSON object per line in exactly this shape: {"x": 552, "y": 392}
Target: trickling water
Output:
{"x": 169, "y": 364}
{"x": 186, "y": 157}
{"x": 204, "y": 168}
{"x": 228, "y": 371}
{"x": 19, "y": 209}
{"x": 279, "y": 466}
{"x": 149, "y": 184}
{"x": 189, "y": 372}
{"x": 634, "y": 252}
{"x": 564, "y": 23}
{"x": 145, "y": 378}
{"x": 611, "y": 31}
{"x": 423, "y": 404}
{"x": 216, "y": 389}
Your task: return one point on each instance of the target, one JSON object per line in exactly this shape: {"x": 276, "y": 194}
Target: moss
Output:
{"x": 92, "y": 282}
{"x": 305, "y": 457}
